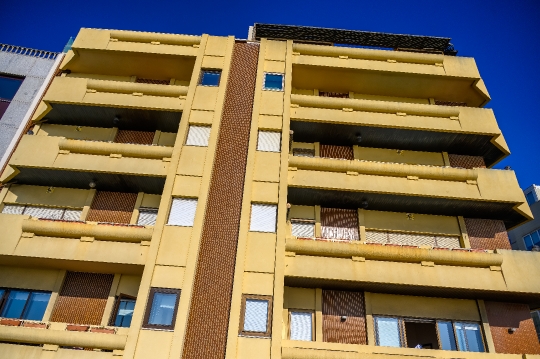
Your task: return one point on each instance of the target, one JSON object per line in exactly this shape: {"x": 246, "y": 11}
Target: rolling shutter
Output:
{"x": 344, "y": 317}
{"x": 147, "y": 216}
{"x": 339, "y": 223}
{"x": 303, "y": 229}
{"x": 13, "y": 209}
{"x": 44, "y": 212}
{"x": 182, "y": 212}
{"x": 338, "y": 152}
{"x": 263, "y": 218}
{"x": 72, "y": 215}
{"x": 198, "y": 136}
{"x": 256, "y": 315}
{"x": 269, "y": 141}
{"x": 301, "y": 326}
{"x": 112, "y": 207}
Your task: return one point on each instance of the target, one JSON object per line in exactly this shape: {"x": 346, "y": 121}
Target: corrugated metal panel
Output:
{"x": 72, "y": 215}
{"x": 82, "y": 298}
{"x": 112, "y": 207}
{"x": 339, "y": 152}
{"x": 135, "y": 137}
{"x": 198, "y": 136}
{"x": 147, "y": 216}
{"x": 13, "y": 209}
{"x": 269, "y": 141}
{"x": 182, "y": 212}
{"x": 301, "y": 326}
{"x": 302, "y": 229}
{"x": 44, "y": 212}
{"x": 263, "y": 218}
{"x": 337, "y": 223}
{"x": 256, "y": 315}
{"x": 344, "y": 317}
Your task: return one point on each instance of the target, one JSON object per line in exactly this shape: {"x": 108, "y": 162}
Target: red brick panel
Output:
{"x": 135, "y": 137}
{"x": 152, "y": 81}
{"x": 337, "y": 223}
{"x": 344, "y": 317}
{"x": 340, "y": 152}
{"x": 208, "y": 319}
{"x": 334, "y": 94}
{"x": 83, "y": 298}
{"x": 487, "y": 234}
{"x": 503, "y": 316}
{"x": 468, "y": 162}
{"x": 112, "y": 207}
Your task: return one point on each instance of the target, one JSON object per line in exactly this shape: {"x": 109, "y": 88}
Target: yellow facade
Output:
{"x": 371, "y": 187}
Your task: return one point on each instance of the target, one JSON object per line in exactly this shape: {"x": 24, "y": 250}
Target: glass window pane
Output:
{"x": 273, "y": 81}
{"x": 210, "y": 78}
{"x": 256, "y": 315}
{"x": 530, "y": 198}
{"x": 125, "y": 313}
{"x": 460, "y": 332}
{"x": 36, "y": 306}
{"x": 301, "y": 326}
{"x": 474, "y": 337}
{"x": 9, "y": 87}
{"x": 535, "y": 238}
{"x": 388, "y": 334}
{"x": 446, "y": 335}
{"x": 15, "y": 304}
{"x": 162, "y": 309}
{"x": 528, "y": 242}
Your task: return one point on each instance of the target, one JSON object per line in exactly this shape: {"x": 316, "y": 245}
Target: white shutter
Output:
{"x": 72, "y": 215}
{"x": 147, "y": 216}
{"x": 388, "y": 332}
{"x": 301, "y": 327}
{"x": 44, "y": 212}
{"x": 376, "y": 237}
{"x": 256, "y": 315}
{"x": 263, "y": 218}
{"x": 198, "y": 136}
{"x": 448, "y": 242}
{"x": 13, "y": 209}
{"x": 303, "y": 229}
{"x": 269, "y": 141}
{"x": 182, "y": 212}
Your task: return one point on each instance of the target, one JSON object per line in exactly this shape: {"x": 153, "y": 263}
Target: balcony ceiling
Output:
{"x": 399, "y": 139}
{"x": 130, "y": 119}
{"x": 75, "y": 179}
{"x": 408, "y": 204}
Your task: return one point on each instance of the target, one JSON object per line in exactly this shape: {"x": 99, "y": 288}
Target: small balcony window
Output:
{"x": 43, "y": 212}
{"x": 23, "y": 304}
{"x": 301, "y": 325}
{"x": 303, "y": 228}
{"x": 263, "y": 218}
{"x": 273, "y": 81}
{"x": 304, "y": 152}
{"x": 257, "y": 314}
{"x": 269, "y": 141}
{"x": 182, "y": 212}
{"x": 210, "y": 77}
{"x": 161, "y": 308}
{"x": 147, "y": 216}
{"x": 123, "y": 311}
{"x": 198, "y": 136}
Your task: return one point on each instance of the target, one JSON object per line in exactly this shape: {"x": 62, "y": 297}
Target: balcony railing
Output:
{"x": 19, "y": 50}
{"x": 107, "y": 148}
{"x": 94, "y": 85}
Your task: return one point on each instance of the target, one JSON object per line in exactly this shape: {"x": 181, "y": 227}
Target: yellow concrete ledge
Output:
{"x": 320, "y": 350}
{"x": 382, "y": 168}
{"x": 78, "y": 230}
{"x": 62, "y": 338}
{"x": 107, "y": 148}
{"x": 138, "y": 88}
{"x": 415, "y": 109}
{"x": 169, "y": 39}
{"x": 393, "y": 253}
{"x": 369, "y": 54}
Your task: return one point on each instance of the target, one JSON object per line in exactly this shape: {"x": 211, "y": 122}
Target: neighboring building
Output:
{"x": 526, "y": 236}
{"x": 279, "y": 197}
{"x": 24, "y": 76}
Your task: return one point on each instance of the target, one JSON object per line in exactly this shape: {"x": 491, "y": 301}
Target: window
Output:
{"x": 530, "y": 198}
{"x": 147, "y": 216}
{"x": 269, "y": 141}
{"x": 198, "y": 136}
{"x": 301, "y": 325}
{"x": 182, "y": 212}
{"x": 210, "y": 77}
{"x": 23, "y": 304}
{"x": 303, "y": 228}
{"x": 428, "y": 334}
{"x": 263, "y": 218}
{"x": 303, "y": 152}
{"x": 535, "y": 314}
{"x": 273, "y": 81}
{"x": 532, "y": 239}
{"x": 9, "y": 87}
{"x": 257, "y": 315}
{"x": 123, "y": 311}
{"x": 161, "y": 308}
{"x": 43, "y": 212}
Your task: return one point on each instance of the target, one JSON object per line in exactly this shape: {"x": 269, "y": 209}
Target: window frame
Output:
{"x": 282, "y": 81}
{"x": 196, "y": 199}
{"x": 3, "y": 300}
{"x": 268, "y": 332}
{"x": 201, "y": 76}
{"x": 150, "y": 302}
{"x": 116, "y": 308}
{"x": 312, "y": 312}
{"x": 274, "y": 205}
{"x": 532, "y": 240}
{"x": 193, "y": 126}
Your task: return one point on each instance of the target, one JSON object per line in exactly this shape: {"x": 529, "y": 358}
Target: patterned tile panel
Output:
{"x": 344, "y": 317}
{"x": 487, "y": 234}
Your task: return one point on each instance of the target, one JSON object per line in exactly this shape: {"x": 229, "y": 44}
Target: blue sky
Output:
{"x": 503, "y": 37}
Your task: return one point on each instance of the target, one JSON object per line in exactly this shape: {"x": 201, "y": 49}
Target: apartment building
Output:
{"x": 305, "y": 193}
{"x": 526, "y": 237}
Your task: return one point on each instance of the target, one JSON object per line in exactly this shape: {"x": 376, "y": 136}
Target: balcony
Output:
{"x": 388, "y": 73}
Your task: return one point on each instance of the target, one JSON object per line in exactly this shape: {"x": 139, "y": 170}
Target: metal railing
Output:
{"x": 19, "y": 50}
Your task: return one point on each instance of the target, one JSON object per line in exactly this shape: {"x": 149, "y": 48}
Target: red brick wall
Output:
{"x": 336, "y": 304}
{"x": 466, "y": 161}
{"x": 501, "y": 317}
{"x": 487, "y": 234}
{"x": 340, "y": 152}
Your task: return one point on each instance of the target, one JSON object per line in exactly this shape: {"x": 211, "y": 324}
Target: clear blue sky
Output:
{"x": 503, "y": 37}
